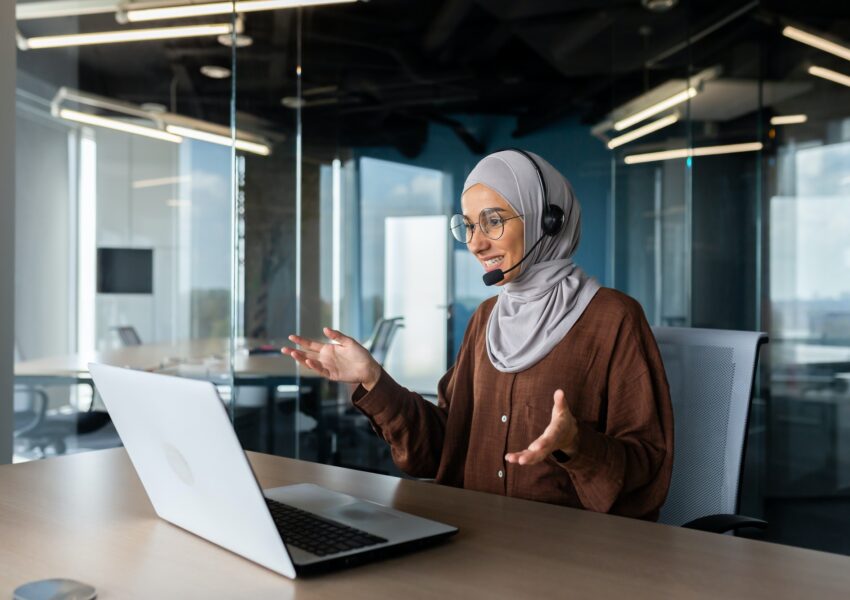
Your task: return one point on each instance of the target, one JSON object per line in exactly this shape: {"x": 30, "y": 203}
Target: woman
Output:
{"x": 558, "y": 392}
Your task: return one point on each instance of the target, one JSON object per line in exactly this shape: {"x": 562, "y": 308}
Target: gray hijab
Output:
{"x": 539, "y": 307}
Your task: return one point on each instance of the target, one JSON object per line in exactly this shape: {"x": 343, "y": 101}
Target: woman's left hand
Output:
{"x": 560, "y": 434}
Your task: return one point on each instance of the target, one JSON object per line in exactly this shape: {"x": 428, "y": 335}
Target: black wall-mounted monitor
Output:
{"x": 125, "y": 270}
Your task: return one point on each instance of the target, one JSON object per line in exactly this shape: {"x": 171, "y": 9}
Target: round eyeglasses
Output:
{"x": 490, "y": 223}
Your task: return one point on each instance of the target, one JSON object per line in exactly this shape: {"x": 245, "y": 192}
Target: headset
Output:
{"x": 553, "y": 215}
{"x": 552, "y": 222}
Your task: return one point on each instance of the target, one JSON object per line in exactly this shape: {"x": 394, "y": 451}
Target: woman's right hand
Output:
{"x": 343, "y": 359}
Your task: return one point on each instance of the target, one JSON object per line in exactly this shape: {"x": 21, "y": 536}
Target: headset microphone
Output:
{"x": 496, "y": 275}
{"x": 552, "y": 222}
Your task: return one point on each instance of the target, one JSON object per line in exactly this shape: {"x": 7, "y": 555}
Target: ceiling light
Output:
{"x": 215, "y": 72}
{"x": 25, "y": 11}
{"x": 89, "y": 119}
{"x": 788, "y": 119}
{"x": 240, "y": 40}
{"x": 642, "y": 131}
{"x": 659, "y": 6}
{"x": 160, "y": 181}
{"x": 153, "y": 107}
{"x": 670, "y": 102}
{"x": 831, "y": 75}
{"x": 633, "y": 159}
{"x": 219, "y": 8}
{"x": 169, "y": 126}
{"x": 815, "y": 41}
{"x": 293, "y": 102}
{"x": 129, "y": 35}
{"x": 222, "y": 140}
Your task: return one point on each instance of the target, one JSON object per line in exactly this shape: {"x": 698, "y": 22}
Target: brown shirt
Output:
{"x": 611, "y": 372}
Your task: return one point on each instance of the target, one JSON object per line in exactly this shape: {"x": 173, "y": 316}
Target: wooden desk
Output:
{"x": 87, "y": 517}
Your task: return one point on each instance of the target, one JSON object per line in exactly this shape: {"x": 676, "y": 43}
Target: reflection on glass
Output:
{"x": 810, "y": 321}
{"x": 123, "y": 228}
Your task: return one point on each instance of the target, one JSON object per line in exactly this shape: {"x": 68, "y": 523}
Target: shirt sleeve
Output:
{"x": 624, "y": 464}
{"x": 415, "y": 428}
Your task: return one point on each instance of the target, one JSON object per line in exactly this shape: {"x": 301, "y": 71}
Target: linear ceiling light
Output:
{"x": 47, "y": 9}
{"x": 160, "y": 181}
{"x": 653, "y": 110}
{"x": 222, "y": 140}
{"x": 642, "y": 131}
{"x": 129, "y": 35}
{"x": 686, "y": 152}
{"x": 815, "y": 41}
{"x": 788, "y": 119}
{"x": 831, "y": 75}
{"x": 219, "y": 8}
{"x": 89, "y": 119}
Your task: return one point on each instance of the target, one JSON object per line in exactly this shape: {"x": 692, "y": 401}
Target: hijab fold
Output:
{"x": 538, "y": 308}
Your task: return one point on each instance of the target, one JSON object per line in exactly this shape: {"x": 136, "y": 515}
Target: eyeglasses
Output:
{"x": 490, "y": 222}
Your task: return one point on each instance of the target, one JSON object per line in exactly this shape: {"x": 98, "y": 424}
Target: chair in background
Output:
{"x": 352, "y": 437}
{"x": 37, "y": 428}
{"x": 128, "y": 335}
{"x": 382, "y": 336}
{"x": 710, "y": 372}
{"x": 30, "y": 404}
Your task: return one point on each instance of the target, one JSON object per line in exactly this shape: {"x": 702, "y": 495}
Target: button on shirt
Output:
{"x": 611, "y": 372}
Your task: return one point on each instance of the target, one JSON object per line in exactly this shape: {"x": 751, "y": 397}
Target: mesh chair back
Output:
{"x": 710, "y": 372}
{"x": 129, "y": 336}
{"x": 382, "y": 336}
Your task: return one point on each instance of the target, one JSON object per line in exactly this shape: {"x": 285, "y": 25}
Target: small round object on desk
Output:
{"x": 55, "y": 589}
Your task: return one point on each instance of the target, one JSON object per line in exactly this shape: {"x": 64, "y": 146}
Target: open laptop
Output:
{"x": 182, "y": 444}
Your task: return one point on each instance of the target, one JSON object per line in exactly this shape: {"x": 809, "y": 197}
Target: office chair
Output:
{"x": 710, "y": 372}
{"x": 128, "y": 335}
{"x": 382, "y": 336}
{"x": 29, "y": 404}
{"x": 350, "y": 430}
{"x": 36, "y": 428}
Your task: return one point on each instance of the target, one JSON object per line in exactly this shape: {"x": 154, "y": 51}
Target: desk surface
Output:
{"x": 87, "y": 517}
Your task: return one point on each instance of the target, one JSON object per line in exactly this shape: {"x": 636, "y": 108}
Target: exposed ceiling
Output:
{"x": 379, "y": 72}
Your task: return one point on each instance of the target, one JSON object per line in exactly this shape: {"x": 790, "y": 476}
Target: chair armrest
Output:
{"x": 724, "y": 523}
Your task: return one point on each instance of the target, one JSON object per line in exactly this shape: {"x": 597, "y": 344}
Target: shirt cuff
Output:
{"x": 381, "y": 402}
{"x": 592, "y": 451}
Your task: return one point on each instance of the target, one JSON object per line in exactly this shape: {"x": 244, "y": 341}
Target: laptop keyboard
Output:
{"x": 316, "y": 535}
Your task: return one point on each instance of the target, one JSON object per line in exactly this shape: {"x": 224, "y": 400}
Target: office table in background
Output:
{"x": 206, "y": 359}
{"x": 212, "y": 354}
{"x": 87, "y": 517}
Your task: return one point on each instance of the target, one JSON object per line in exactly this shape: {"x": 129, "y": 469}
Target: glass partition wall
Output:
{"x": 306, "y": 162}
{"x": 730, "y": 213}
{"x": 277, "y": 236}
{"x": 125, "y": 207}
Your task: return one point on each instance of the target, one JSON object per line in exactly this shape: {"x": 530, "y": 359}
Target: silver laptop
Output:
{"x": 182, "y": 444}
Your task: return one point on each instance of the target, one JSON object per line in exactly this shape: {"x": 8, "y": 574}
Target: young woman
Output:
{"x": 558, "y": 393}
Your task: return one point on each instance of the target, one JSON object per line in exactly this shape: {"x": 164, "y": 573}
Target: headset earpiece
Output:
{"x": 553, "y": 215}
{"x": 553, "y": 219}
